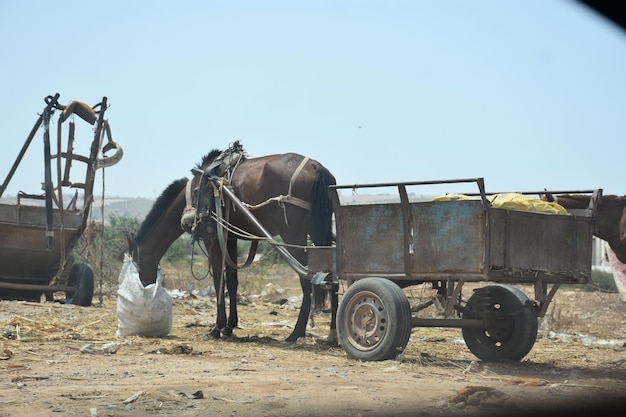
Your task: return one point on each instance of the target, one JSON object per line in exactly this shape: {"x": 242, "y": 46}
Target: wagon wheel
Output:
{"x": 80, "y": 277}
{"x": 512, "y": 325}
{"x": 374, "y": 320}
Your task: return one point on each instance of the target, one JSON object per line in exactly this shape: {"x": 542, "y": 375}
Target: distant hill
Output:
{"x": 122, "y": 207}
{"x": 119, "y": 206}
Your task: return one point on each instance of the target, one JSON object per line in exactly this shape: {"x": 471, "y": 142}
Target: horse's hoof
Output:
{"x": 288, "y": 344}
{"x": 213, "y": 334}
{"x": 227, "y": 333}
{"x": 332, "y": 338}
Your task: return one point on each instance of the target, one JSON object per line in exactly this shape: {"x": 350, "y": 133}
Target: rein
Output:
{"x": 222, "y": 231}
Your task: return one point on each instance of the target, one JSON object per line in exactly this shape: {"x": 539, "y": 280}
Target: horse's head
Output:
{"x": 547, "y": 197}
{"x": 157, "y": 232}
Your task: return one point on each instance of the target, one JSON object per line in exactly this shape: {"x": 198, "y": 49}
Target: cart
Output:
{"x": 39, "y": 231}
{"x": 382, "y": 248}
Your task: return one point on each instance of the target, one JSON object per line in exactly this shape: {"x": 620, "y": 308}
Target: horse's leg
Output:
{"x": 299, "y": 329}
{"x": 232, "y": 284}
{"x": 215, "y": 256}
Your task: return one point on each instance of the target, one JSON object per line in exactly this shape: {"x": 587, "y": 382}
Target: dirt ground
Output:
{"x": 64, "y": 360}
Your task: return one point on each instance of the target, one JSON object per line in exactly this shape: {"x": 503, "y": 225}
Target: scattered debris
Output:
{"x": 9, "y": 333}
{"x": 586, "y": 340}
{"x": 481, "y": 397}
{"x": 134, "y": 397}
{"x": 278, "y": 324}
{"x": 473, "y": 368}
{"x": 618, "y": 363}
{"x": 273, "y": 294}
{"x": 228, "y": 400}
{"x": 529, "y": 380}
{"x": 179, "y": 349}
{"x": 105, "y": 349}
{"x": 6, "y": 354}
{"x": 198, "y": 395}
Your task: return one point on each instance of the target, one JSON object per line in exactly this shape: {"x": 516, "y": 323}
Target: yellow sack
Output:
{"x": 512, "y": 201}
{"x": 454, "y": 196}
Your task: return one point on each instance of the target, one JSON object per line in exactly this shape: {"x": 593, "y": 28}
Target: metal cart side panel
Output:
{"x": 443, "y": 237}
{"x": 370, "y": 239}
{"x": 529, "y": 241}
{"x": 461, "y": 239}
{"x": 449, "y": 237}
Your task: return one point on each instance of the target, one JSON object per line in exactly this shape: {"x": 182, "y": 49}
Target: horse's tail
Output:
{"x": 322, "y": 209}
{"x": 321, "y": 222}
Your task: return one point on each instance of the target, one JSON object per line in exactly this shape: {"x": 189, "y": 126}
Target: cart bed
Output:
{"x": 24, "y": 257}
{"x": 435, "y": 240}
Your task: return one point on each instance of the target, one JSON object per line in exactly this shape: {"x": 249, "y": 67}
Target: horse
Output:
{"x": 289, "y": 196}
{"x": 610, "y": 217}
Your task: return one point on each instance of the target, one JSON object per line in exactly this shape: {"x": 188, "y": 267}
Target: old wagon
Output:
{"x": 383, "y": 247}
{"x": 38, "y": 231}
{"x": 447, "y": 243}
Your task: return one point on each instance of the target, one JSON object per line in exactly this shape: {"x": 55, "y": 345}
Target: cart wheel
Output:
{"x": 81, "y": 277}
{"x": 374, "y": 320}
{"x": 512, "y": 325}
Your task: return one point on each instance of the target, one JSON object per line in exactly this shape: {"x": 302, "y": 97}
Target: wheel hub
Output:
{"x": 368, "y": 321}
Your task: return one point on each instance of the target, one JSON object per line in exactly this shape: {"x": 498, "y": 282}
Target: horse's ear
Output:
{"x": 131, "y": 247}
{"x": 547, "y": 196}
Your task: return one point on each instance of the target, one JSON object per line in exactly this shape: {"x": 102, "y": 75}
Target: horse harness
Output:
{"x": 219, "y": 173}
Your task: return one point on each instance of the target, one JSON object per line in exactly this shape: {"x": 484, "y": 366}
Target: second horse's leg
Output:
{"x": 299, "y": 329}
{"x": 232, "y": 285}
{"x": 219, "y": 277}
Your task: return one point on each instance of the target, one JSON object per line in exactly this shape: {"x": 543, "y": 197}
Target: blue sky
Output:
{"x": 528, "y": 94}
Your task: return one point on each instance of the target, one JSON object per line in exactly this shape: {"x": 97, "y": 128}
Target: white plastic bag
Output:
{"x": 143, "y": 311}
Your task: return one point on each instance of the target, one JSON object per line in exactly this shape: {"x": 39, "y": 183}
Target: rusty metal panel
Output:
{"x": 437, "y": 239}
{"x": 35, "y": 216}
{"x": 370, "y": 239}
{"x": 449, "y": 236}
{"x": 320, "y": 258}
{"x": 443, "y": 237}
{"x": 24, "y": 257}
{"x": 521, "y": 240}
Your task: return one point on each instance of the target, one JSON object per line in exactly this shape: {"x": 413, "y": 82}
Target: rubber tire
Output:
{"x": 513, "y": 336}
{"x": 81, "y": 276}
{"x": 384, "y": 301}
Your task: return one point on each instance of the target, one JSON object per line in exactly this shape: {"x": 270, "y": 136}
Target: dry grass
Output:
{"x": 252, "y": 280}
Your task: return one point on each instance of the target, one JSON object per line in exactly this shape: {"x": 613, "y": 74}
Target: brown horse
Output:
{"x": 288, "y": 195}
{"x": 610, "y": 217}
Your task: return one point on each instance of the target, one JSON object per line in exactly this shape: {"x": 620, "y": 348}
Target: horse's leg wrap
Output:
{"x": 227, "y": 332}
{"x": 215, "y": 333}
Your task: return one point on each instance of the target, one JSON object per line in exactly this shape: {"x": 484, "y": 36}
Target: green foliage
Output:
{"x": 115, "y": 232}
{"x": 603, "y": 281}
{"x": 117, "y": 228}
{"x": 600, "y": 281}
{"x": 179, "y": 251}
{"x": 268, "y": 255}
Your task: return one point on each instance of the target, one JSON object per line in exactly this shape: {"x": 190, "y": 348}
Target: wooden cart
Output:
{"x": 39, "y": 231}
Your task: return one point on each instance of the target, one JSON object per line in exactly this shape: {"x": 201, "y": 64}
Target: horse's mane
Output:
{"x": 159, "y": 205}
{"x": 206, "y": 159}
